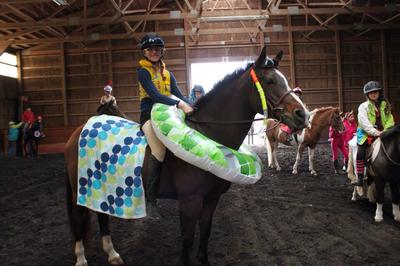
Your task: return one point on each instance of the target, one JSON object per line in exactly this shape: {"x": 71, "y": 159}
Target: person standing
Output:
{"x": 108, "y": 97}
{"x": 336, "y": 138}
{"x": 374, "y": 117}
{"x": 196, "y": 93}
{"x": 156, "y": 85}
{"x": 13, "y": 135}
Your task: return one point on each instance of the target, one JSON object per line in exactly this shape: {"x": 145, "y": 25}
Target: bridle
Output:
{"x": 387, "y": 155}
{"x": 257, "y": 84}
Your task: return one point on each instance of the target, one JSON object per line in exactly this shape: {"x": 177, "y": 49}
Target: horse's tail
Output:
{"x": 79, "y": 217}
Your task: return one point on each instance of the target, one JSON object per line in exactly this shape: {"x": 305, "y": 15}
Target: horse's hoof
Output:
{"x": 353, "y": 198}
{"x": 82, "y": 263}
{"x": 278, "y": 169}
{"x": 294, "y": 172}
{"x": 378, "y": 219}
{"x": 116, "y": 260}
{"x": 314, "y": 173}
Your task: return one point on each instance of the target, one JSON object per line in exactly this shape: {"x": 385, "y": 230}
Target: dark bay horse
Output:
{"x": 225, "y": 115}
{"x": 383, "y": 168}
{"x": 321, "y": 119}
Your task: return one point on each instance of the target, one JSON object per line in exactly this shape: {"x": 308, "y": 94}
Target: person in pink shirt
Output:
{"x": 337, "y": 143}
{"x": 350, "y": 126}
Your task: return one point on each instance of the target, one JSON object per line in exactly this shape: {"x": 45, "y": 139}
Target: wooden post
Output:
{"x": 64, "y": 84}
{"x": 339, "y": 70}
{"x": 291, "y": 51}
{"x": 187, "y": 61}
{"x": 110, "y": 62}
{"x": 384, "y": 65}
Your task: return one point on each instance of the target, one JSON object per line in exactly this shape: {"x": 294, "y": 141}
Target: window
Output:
{"x": 207, "y": 74}
{"x": 8, "y": 65}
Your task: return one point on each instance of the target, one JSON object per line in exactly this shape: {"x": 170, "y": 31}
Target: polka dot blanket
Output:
{"x": 111, "y": 153}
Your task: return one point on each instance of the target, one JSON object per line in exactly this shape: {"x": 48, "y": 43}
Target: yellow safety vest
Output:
{"x": 162, "y": 85}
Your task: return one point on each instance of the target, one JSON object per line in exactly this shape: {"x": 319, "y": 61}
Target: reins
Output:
{"x": 387, "y": 155}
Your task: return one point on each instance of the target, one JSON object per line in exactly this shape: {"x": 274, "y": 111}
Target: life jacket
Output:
{"x": 161, "y": 82}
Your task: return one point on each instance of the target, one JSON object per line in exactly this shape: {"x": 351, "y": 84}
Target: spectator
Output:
{"x": 336, "y": 138}
{"x": 196, "y": 93}
{"x": 37, "y": 134}
{"x": 28, "y": 116}
{"x": 13, "y": 134}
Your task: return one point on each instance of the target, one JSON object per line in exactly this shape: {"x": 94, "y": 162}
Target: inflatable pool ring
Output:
{"x": 242, "y": 166}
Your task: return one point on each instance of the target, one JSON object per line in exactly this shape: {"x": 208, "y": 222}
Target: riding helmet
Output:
{"x": 371, "y": 86}
{"x": 151, "y": 40}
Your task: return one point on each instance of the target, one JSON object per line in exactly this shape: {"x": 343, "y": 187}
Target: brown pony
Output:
{"x": 321, "y": 119}
{"x": 225, "y": 115}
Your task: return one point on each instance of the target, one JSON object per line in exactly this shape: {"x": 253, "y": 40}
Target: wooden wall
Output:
{"x": 65, "y": 82}
{"x": 8, "y": 101}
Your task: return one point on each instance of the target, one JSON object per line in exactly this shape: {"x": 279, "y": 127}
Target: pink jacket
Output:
{"x": 335, "y": 135}
{"x": 350, "y": 129}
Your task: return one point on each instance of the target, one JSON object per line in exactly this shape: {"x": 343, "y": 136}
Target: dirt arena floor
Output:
{"x": 281, "y": 220}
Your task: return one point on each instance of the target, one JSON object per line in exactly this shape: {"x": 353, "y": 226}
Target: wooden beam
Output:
{"x": 59, "y": 22}
{"x": 64, "y": 84}
{"x": 339, "y": 70}
{"x": 187, "y": 62}
{"x": 3, "y": 47}
{"x": 385, "y": 82}
{"x": 99, "y": 37}
{"x": 291, "y": 54}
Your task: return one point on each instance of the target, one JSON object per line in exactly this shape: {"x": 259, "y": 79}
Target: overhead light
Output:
{"x": 61, "y": 2}
{"x": 229, "y": 18}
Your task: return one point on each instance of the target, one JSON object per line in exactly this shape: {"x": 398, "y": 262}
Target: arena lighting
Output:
{"x": 61, "y": 2}
{"x": 230, "y": 18}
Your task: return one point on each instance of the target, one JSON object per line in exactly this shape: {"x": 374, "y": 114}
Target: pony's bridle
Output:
{"x": 387, "y": 155}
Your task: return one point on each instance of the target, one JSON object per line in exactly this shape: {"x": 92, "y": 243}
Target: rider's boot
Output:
{"x": 151, "y": 188}
{"x": 338, "y": 170}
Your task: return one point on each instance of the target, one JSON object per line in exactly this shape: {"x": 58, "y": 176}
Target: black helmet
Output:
{"x": 371, "y": 86}
{"x": 151, "y": 40}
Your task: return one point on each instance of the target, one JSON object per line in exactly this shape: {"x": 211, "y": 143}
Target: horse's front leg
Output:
{"x": 113, "y": 257}
{"x": 209, "y": 206}
{"x": 274, "y": 157}
{"x": 394, "y": 188}
{"x": 189, "y": 210}
{"x": 311, "y": 161}
{"x": 380, "y": 198}
{"x": 298, "y": 158}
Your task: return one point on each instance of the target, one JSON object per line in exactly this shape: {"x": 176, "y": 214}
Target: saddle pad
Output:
{"x": 111, "y": 154}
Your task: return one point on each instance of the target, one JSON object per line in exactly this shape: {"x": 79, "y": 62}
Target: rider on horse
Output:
{"x": 374, "y": 117}
{"x": 156, "y": 84}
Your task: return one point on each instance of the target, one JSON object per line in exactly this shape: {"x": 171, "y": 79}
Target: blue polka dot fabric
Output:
{"x": 111, "y": 153}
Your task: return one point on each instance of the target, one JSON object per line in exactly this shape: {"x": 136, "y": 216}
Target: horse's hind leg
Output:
{"x": 205, "y": 223}
{"x": 300, "y": 150}
{"x": 113, "y": 257}
{"x": 311, "y": 161}
{"x": 380, "y": 198}
{"x": 189, "y": 210}
{"x": 394, "y": 187}
{"x": 274, "y": 157}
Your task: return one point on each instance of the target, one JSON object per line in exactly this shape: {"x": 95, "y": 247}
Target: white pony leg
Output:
{"x": 396, "y": 212}
{"x": 311, "y": 161}
{"x": 354, "y": 196}
{"x": 296, "y": 163}
{"x": 113, "y": 257}
{"x": 269, "y": 152}
{"x": 80, "y": 254}
{"x": 378, "y": 213}
{"x": 275, "y": 159}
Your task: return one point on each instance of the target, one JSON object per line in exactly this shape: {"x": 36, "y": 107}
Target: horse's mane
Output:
{"x": 390, "y": 132}
{"x": 222, "y": 84}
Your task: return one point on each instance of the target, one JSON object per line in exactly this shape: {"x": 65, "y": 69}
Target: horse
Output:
{"x": 383, "y": 167}
{"x": 320, "y": 119}
{"x": 225, "y": 115}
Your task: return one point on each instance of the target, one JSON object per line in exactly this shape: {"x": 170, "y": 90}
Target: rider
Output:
{"x": 196, "y": 93}
{"x": 156, "y": 85}
{"x": 107, "y": 97}
{"x": 374, "y": 116}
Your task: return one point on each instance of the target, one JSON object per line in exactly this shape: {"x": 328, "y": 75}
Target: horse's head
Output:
{"x": 284, "y": 104}
{"x": 336, "y": 120}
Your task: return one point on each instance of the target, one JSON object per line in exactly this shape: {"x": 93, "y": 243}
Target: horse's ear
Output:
{"x": 278, "y": 58}
{"x": 261, "y": 59}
